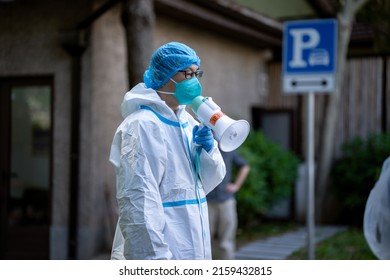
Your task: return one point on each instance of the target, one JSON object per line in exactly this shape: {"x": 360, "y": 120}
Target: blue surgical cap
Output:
{"x": 166, "y": 61}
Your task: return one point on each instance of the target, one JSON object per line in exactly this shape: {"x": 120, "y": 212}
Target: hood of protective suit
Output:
{"x": 141, "y": 95}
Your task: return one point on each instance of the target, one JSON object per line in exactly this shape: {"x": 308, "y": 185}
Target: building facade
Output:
{"x": 63, "y": 75}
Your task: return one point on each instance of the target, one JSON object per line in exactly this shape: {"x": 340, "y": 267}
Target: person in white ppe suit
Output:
{"x": 376, "y": 221}
{"x": 164, "y": 163}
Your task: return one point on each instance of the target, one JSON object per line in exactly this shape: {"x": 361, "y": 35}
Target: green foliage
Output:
{"x": 355, "y": 174}
{"x": 271, "y": 179}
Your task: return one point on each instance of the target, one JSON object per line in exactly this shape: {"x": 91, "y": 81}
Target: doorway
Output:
{"x": 279, "y": 125}
{"x": 26, "y": 163}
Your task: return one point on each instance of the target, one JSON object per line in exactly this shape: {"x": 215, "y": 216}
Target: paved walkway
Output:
{"x": 281, "y": 247}
{"x": 277, "y": 247}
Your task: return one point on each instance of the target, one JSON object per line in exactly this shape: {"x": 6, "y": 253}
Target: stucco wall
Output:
{"x": 29, "y": 46}
{"x": 231, "y": 68}
{"x": 100, "y": 119}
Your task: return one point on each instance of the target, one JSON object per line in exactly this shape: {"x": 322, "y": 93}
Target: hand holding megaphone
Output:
{"x": 229, "y": 133}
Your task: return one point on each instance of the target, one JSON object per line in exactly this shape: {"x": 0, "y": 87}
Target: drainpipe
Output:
{"x": 74, "y": 43}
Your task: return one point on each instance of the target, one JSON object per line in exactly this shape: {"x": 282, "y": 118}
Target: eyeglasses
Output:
{"x": 189, "y": 74}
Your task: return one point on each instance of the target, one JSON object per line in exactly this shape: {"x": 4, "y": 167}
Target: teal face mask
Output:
{"x": 186, "y": 90}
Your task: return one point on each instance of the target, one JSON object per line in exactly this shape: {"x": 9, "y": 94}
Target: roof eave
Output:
{"x": 229, "y": 20}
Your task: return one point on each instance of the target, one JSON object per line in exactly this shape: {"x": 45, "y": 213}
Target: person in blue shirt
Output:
{"x": 222, "y": 207}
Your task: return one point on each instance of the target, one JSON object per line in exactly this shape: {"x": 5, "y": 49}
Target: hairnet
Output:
{"x": 166, "y": 61}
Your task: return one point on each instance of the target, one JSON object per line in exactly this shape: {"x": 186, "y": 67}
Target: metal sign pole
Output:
{"x": 309, "y": 67}
{"x": 310, "y": 176}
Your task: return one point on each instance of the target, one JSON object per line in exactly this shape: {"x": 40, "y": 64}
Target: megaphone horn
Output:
{"x": 229, "y": 133}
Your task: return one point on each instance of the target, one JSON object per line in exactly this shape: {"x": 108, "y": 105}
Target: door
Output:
{"x": 25, "y": 158}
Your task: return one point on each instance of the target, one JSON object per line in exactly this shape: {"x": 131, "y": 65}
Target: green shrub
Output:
{"x": 271, "y": 179}
{"x": 354, "y": 175}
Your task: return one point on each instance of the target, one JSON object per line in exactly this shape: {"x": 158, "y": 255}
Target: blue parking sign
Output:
{"x": 309, "y": 55}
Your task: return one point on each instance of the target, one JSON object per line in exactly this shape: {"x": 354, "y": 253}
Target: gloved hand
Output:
{"x": 203, "y": 137}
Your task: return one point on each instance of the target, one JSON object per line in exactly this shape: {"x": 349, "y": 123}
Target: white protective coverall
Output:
{"x": 376, "y": 223}
{"x": 162, "y": 214}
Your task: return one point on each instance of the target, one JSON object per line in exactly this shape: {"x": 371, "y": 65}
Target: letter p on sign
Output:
{"x": 305, "y": 38}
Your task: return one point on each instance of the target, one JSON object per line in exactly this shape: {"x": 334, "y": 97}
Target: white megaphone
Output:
{"x": 229, "y": 133}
